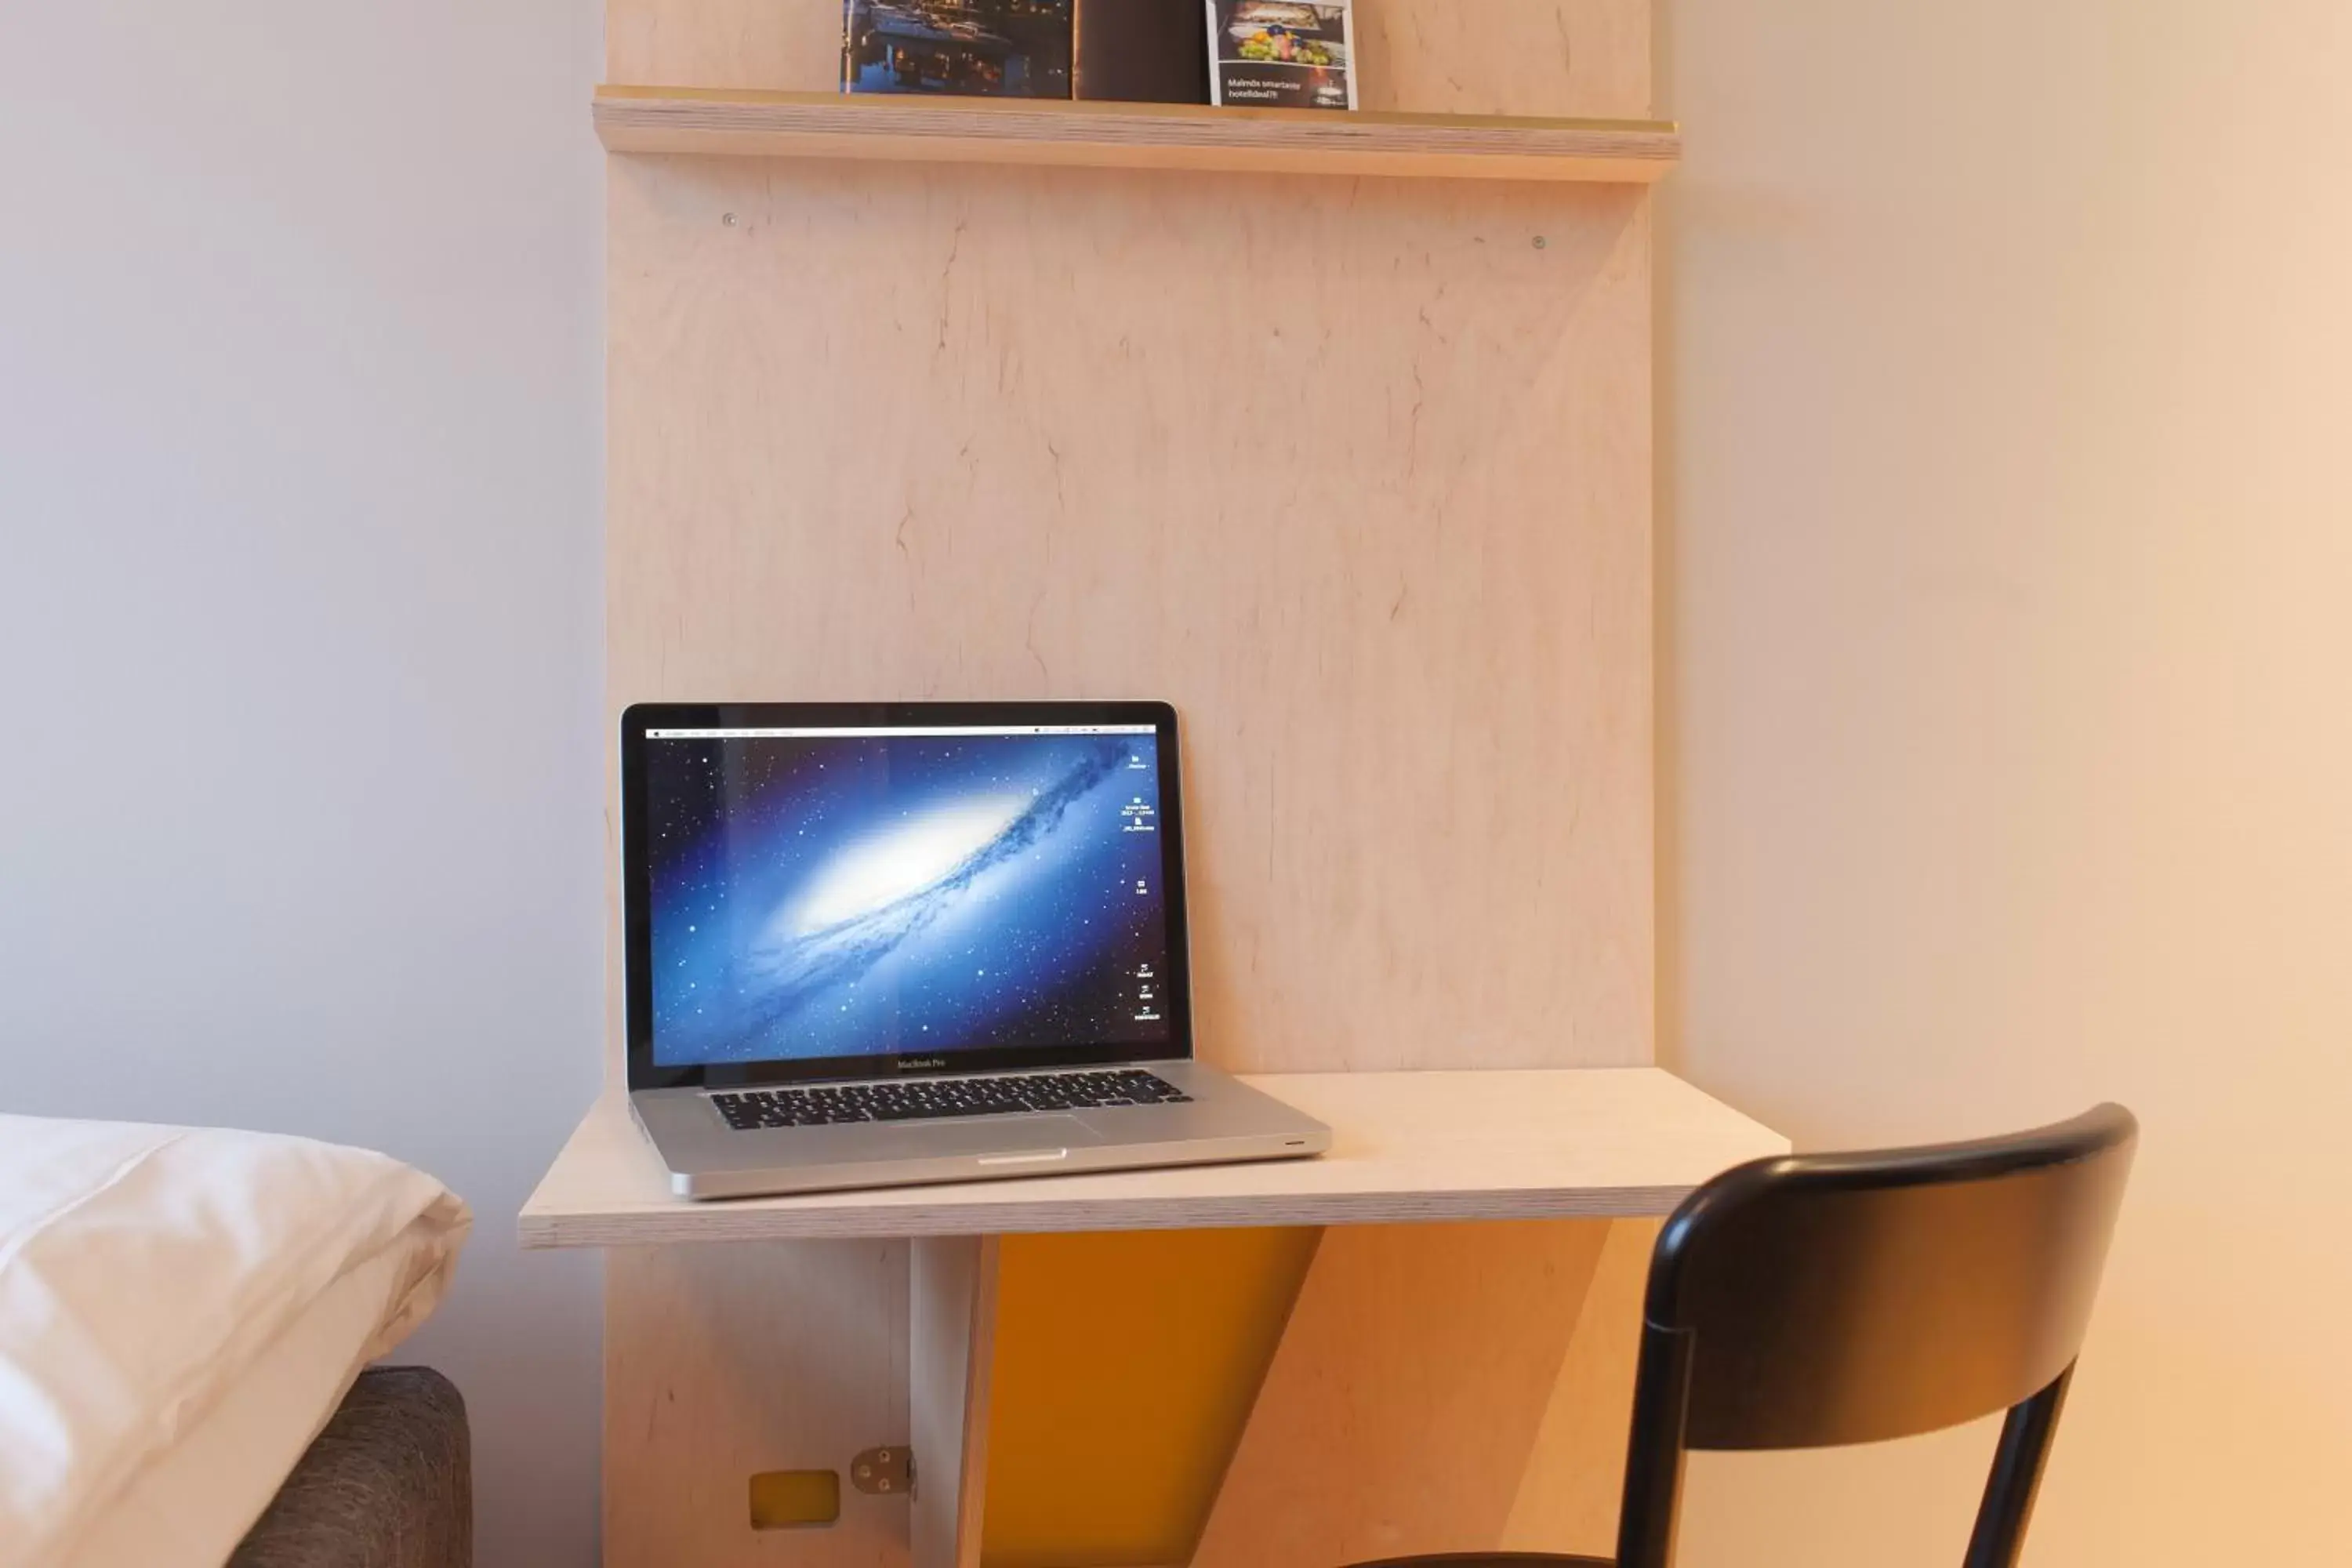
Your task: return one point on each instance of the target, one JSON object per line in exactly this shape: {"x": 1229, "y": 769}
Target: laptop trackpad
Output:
{"x": 1024, "y": 1143}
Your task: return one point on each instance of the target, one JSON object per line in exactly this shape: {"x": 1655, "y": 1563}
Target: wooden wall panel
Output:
{"x": 781, "y": 45}
{"x": 1506, "y": 57}
{"x": 1356, "y": 474}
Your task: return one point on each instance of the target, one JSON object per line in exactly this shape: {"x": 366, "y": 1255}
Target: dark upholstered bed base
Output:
{"x": 389, "y": 1484}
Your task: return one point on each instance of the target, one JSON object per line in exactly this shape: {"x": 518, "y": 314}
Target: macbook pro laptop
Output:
{"x": 877, "y": 945}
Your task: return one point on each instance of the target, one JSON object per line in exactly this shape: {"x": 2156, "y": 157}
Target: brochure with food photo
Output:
{"x": 1278, "y": 54}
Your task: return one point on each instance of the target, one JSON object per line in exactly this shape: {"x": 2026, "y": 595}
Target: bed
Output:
{"x": 187, "y": 1318}
{"x": 389, "y": 1483}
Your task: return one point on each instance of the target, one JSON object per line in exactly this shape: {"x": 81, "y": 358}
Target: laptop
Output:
{"x": 877, "y": 945}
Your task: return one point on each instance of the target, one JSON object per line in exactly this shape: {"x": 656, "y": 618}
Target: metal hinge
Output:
{"x": 886, "y": 1472}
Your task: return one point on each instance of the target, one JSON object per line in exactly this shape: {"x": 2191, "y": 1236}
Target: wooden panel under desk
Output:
{"x": 693, "y": 1338}
{"x": 1595, "y": 1143}
{"x": 1412, "y": 1406}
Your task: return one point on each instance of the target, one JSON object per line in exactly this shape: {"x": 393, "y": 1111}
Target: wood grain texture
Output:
{"x": 951, "y": 1288}
{"x": 1406, "y": 1147}
{"x": 719, "y": 1363}
{"x": 1135, "y": 136}
{"x": 1506, "y": 56}
{"x": 1355, "y": 474}
{"x": 1574, "y": 1475}
{"x": 789, "y": 45}
{"x": 1407, "y": 1397}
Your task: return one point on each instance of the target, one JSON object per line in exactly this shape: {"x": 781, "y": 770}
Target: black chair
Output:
{"x": 1826, "y": 1300}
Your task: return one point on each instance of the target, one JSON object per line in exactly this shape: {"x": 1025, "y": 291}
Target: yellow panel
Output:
{"x": 1126, "y": 1367}
{"x": 785, "y": 1500}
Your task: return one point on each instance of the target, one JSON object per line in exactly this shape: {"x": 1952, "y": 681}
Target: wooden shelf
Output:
{"x": 1131, "y": 136}
{"x": 1590, "y": 1143}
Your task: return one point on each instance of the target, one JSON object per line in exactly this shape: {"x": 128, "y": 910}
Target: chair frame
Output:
{"x": 2027, "y": 1219}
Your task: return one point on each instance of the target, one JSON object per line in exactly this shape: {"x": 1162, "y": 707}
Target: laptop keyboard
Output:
{"x": 932, "y": 1099}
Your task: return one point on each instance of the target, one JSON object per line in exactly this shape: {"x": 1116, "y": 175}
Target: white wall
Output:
{"x": 2009, "y": 680}
{"x": 300, "y": 617}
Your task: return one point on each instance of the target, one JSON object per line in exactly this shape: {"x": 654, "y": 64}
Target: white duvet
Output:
{"x": 181, "y": 1309}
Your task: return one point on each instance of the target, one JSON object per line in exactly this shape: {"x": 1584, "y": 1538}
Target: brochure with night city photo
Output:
{"x": 982, "y": 49}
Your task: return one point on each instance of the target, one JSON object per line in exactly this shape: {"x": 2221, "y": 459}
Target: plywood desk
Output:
{"x": 1407, "y": 1146}
{"x": 1481, "y": 1298}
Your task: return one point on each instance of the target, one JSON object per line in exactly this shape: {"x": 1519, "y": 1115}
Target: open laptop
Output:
{"x": 877, "y": 945}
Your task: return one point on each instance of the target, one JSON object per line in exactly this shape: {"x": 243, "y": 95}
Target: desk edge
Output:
{"x": 723, "y": 1222}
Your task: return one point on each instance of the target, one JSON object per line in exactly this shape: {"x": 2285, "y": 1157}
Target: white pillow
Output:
{"x": 148, "y": 1276}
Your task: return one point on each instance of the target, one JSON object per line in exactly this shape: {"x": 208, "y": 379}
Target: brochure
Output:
{"x": 1280, "y": 53}
{"x": 984, "y": 49}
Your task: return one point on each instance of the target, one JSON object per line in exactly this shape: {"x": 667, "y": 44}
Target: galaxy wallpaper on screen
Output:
{"x": 832, "y": 895}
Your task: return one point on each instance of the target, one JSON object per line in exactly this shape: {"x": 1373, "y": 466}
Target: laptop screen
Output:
{"x": 831, "y": 892}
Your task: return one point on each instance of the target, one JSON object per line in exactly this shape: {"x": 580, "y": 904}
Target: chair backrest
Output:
{"x": 1824, "y": 1300}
